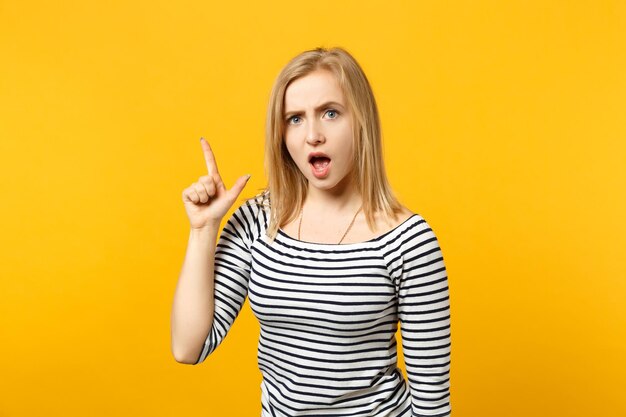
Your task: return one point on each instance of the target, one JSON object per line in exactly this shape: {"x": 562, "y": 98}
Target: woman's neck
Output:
{"x": 332, "y": 202}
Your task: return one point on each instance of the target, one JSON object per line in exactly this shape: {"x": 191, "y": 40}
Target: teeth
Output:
{"x": 320, "y": 164}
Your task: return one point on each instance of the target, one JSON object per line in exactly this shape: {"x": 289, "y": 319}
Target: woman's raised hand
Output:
{"x": 207, "y": 201}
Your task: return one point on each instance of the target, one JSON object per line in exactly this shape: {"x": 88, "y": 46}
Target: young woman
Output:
{"x": 329, "y": 259}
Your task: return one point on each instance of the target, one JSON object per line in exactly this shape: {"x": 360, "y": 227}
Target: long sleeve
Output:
{"x": 232, "y": 274}
{"x": 424, "y": 314}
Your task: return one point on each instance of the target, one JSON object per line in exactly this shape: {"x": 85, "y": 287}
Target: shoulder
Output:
{"x": 409, "y": 231}
{"x": 253, "y": 206}
{"x": 412, "y": 246}
{"x": 402, "y": 216}
{"x": 251, "y": 216}
{"x": 385, "y": 224}
{"x": 419, "y": 240}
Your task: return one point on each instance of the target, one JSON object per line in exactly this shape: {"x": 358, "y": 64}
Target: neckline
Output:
{"x": 374, "y": 239}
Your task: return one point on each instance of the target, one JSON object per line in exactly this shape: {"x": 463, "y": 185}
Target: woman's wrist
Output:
{"x": 209, "y": 230}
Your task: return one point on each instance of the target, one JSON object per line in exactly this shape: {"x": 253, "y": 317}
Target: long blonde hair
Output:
{"x": 287, "y": 186}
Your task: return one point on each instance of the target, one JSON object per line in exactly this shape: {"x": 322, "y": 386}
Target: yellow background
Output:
{"x": 504, "y": 126}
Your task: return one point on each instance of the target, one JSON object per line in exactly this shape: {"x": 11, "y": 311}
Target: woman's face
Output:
{"x": 318, "y": 130}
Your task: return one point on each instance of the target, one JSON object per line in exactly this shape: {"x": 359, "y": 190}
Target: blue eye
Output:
{"x": 335, "y": 112}
{"x": 290, "y": 120}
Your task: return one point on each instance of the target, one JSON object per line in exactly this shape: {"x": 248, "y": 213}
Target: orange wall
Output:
{"x": 503, "y": 125}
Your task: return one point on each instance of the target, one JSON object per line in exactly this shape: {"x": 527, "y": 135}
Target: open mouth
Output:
{"x": 320, "y": 165}
{"x": 319, "y": 162}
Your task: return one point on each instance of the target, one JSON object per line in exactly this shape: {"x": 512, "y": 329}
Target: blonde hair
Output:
{"x": 287, "y": 186}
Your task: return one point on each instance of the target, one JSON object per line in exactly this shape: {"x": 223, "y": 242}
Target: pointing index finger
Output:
{"x": 209, "y": 159}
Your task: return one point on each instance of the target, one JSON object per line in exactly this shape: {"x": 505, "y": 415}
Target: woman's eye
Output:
{"x": 332, "y": 114}
{"x": 293, "y": 120}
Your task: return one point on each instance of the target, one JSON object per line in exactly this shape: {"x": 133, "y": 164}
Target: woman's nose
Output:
{"x": 314, "y": 134}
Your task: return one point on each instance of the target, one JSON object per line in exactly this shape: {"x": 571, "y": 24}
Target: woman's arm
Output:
{"x": 206, "y": 201}
{"x": 424, "y": 313}
{"x": 192, "y": 309}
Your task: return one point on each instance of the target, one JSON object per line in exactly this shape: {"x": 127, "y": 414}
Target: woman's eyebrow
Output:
{"x": 318, "y": 108}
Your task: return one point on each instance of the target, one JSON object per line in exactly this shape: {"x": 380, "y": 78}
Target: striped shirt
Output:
{"x": 329, "y": 314}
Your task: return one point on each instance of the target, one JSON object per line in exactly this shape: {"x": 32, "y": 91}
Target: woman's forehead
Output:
{"x": 313, "y": 90}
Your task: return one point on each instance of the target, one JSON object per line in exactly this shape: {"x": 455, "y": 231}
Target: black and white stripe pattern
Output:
{"x": 329, "y": 315}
